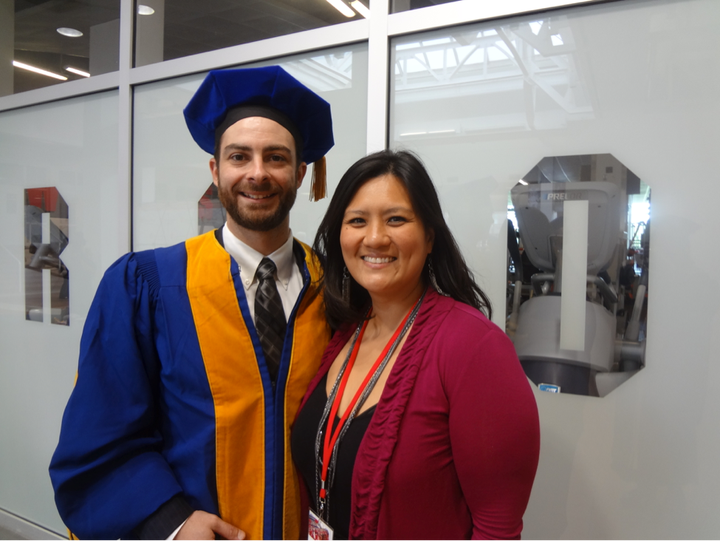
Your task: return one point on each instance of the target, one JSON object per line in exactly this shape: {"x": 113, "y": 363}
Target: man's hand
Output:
{"x": 202, "y": 525}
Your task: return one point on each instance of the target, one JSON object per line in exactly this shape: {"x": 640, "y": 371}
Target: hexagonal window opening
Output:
{"x": 578, "y": 253}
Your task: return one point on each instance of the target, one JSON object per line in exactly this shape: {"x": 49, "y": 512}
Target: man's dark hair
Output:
{"x": 452, "y": 273}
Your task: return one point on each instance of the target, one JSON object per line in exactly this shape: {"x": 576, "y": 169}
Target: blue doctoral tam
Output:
{"x": 269, "y": 87}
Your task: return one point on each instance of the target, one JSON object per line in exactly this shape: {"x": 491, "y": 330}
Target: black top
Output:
{"x": 303, "y": 450}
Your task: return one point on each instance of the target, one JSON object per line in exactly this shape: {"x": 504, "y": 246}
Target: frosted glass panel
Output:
{"x": 58, "y": 193}
{"x": 171, "y": 173}
{"x": 482, "y": 105}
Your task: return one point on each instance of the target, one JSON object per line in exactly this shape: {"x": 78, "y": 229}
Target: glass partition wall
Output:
{"x": 544, "y": 134}
{"x": 563, "y": 95}
{"x": 58, "y": 234}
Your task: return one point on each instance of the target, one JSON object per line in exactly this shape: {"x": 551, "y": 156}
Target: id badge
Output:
{"x": 318, "y": 528}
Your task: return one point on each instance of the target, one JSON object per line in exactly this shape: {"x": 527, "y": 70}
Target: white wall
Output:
{"x": 638, "y": 80}
{"x": 71, "y": 145}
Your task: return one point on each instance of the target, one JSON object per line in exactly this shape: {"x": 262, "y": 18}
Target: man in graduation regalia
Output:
{"x": 194, "y": 358}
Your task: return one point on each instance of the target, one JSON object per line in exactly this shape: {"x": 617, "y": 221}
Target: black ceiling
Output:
{"x": 190, "y": 27}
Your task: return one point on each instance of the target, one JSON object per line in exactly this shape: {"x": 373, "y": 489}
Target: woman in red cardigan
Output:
{"x": 420, "y": 423}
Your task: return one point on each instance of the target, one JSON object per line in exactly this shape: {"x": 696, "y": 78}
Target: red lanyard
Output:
{"x": 331, "y": 435}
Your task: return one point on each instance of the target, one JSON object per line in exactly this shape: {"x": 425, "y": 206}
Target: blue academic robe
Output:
{"x": 173, "y": 397}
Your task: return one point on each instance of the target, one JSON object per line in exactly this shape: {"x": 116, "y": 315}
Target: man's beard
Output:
{"x": 263, "y": 221}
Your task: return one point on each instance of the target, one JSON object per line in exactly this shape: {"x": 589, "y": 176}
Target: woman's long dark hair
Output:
{"x": 452, "y": 273}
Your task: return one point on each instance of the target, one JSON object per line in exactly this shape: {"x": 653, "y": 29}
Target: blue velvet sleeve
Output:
{"x": 108, "y": 472}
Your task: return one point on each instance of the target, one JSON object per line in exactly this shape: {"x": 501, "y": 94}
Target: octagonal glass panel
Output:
{"x": 578, "y": 246}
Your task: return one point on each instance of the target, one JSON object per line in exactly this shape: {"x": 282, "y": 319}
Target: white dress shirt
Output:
{"x": 288, "y": 277}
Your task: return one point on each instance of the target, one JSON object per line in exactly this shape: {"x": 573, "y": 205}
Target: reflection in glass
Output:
{"x": 499, "y": 92}
{"x": 507, "y": 78}
{"x": 612, "y": 262}
{"x": 167, "y": 30}
{"x": 45, "y": 43}
{"x": 211, "y": 213}
{"x": 46, "y": 236}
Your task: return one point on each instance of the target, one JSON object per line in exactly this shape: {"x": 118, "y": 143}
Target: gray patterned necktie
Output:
{"x": 269, "y": 316}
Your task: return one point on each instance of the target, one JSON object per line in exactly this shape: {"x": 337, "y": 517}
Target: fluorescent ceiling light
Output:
{"x": 342, "y": 8}
{"x": 77, "y": 71}
{"x": 69, "y": 32}
{"x": 38, "y": 70}
{"x": 435, "y": 132}
{"x": 358, "y": 6}
{"x": 145, "y": 10}
{"x": 521, "y": 181}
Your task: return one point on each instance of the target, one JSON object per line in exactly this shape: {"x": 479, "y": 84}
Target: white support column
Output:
{"x": 46, "y": 274}
{"x": 574, "y": 275}
{"x": 7, "y": 46}
{"x": 150, "y": 34}
{"x": 125, "y": 112}
{"x": 104, "y": 38}
{"x": 378, "y": 59}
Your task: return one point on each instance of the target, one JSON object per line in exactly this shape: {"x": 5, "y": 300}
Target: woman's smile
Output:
{"x": 378, "y": 260}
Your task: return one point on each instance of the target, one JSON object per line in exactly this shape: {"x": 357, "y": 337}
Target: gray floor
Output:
{"x": 7, "y": 534}
{"x": 20, "y": 529}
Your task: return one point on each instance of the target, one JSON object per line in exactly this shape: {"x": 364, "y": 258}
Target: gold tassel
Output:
{"x": 318, "y": 185}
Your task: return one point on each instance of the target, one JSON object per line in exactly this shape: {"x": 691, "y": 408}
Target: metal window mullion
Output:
{"x": 468, "y": 11}
{"x": 125, "y": 124}
{"x": 70, "y": 89}
{"x": 378, "y": 77}
{"x": 278, "y": 47}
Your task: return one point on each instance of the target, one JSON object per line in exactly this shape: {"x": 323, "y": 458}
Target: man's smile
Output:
{"x": 256, "y": 196}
